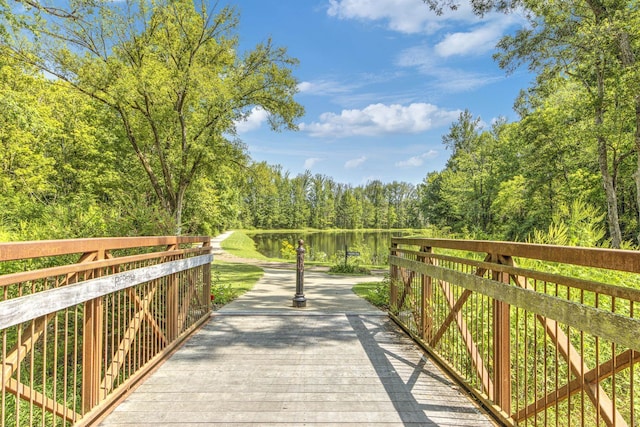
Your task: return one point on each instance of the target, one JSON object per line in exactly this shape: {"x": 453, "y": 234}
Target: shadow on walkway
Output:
{"x": 261, "y": 362}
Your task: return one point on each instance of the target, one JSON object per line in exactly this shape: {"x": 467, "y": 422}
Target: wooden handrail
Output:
{"x": 45, "y": 248}
{"x": 533, "y": 345}
{"x": 609, "y": 259}
{"x": 95, "y": 325}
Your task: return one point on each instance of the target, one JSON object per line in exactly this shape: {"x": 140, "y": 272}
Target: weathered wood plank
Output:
{"x": 83, "y": 265}
{"x": 20, "y": 250}
{"x": 610, "y": 326}
{"x": 28, "y": 307}
{"x": 298, "y": 369}
{"x": 587, "y": 285}
{"x": 611, "y": 259}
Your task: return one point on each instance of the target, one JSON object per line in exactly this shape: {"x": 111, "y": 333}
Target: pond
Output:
{"x": 373, "y": 246}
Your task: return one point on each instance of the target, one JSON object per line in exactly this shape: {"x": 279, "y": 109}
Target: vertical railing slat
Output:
{"x": 536, "y": 368}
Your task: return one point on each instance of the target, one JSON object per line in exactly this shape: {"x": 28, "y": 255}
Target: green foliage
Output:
{"x": 73, "y": 165}
{"x": 228, "y": 281}
{"x": 377, "y": 293}
{"x": 287, "y": 250}
{"x": 274, "y": 200}
{"x": 349, "y": 268}
{"x": 221, "y": 293}
{"x": 175, "y": 114}
{"x": 241, "y": 245}
{"x": 576, "y": 225}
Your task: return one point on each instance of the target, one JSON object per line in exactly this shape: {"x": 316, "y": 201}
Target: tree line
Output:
{"x": 273, "y": 199}
{"x": 120, "y": 120}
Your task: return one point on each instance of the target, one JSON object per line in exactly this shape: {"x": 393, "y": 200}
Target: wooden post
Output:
{"x": 427, "y": 298}
{"x": 172, "y": 302}
{"x": 92, "y": 344}
{"x": 206, "y": 280}
{"x": 502, "y": 343}
{"x": 172, "y": 307}
{"x": 393, "y": 291}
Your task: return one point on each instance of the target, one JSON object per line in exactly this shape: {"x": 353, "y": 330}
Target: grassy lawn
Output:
{"x": 229, "y": 280}
{"x": 241, "y": 245}
{"x": 377, "y": 293}
{"x": 363, "y": 289}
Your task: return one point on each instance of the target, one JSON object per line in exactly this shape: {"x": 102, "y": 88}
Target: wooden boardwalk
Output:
{"x": 340, "y": 361}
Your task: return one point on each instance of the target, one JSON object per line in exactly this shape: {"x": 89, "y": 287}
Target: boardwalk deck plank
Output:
{"x": 337, "y": 363}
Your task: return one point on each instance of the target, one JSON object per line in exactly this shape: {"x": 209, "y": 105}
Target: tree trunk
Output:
{"x": 610, "y": 193}
{"x": 636, "y": 175}
{"x": 177, "y": 213}
{"x": 628, "y": 59}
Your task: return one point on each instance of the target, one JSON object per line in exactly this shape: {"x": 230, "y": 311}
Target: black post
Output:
{"x": 299, "y": 300}
{"x": 346, "y": 254}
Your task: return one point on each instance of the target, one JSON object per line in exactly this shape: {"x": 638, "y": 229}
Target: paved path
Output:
{"x": 259, "y": 361}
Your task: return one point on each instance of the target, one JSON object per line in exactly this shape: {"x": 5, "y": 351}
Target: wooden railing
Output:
{"x": 82, "y": 320}
{"x": 554, "y": 341}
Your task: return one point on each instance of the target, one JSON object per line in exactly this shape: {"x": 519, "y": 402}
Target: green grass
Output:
{"x": 362, "y": 289}
{"x": 241, "y": 245}
{"x": 377, "y": 293}
{"x": 230, "y": 280}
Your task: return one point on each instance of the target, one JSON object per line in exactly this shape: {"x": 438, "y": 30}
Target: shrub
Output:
{"x": 221, "y": 293}
{"x": 348, "y": 269}
{"x": 379, "y": 295}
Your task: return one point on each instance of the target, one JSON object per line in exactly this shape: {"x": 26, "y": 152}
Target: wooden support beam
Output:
{"x": 124, "y": 347}
{"x": 594, "y": 376}
{"x": 502, "y": 342}
{"x": 598, "y": 396}
{"x": 18, "y": 353}
{"x": 173, "y": 309}
{"x": 426, "y": 315}
{"x": 40, "y": 400}
{"x": 613, "y": 327}
{"x": 472, "y": 349}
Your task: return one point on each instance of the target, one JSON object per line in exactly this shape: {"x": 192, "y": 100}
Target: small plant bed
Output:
{"x": 230, "y": 280}
{"x": 349, "y": 269}
{"x": 377, "y": 293}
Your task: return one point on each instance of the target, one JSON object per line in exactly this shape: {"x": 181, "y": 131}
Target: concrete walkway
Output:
{"x": 261, "y": 362}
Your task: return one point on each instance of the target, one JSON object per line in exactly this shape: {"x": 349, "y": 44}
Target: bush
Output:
{"x": 221, "y": 293}
{"x": 348, "y": 269}
{"x": 379, "y": 295}
{"x": 287, "y": 250}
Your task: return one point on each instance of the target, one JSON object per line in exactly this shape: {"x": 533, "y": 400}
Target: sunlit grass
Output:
{"x": 377, "y": 293}
{"x": 241, "y": 277}
{"x": 241, "y": 245}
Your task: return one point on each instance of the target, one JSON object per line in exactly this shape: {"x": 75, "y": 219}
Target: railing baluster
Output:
{"x": 61, "y": 372}
{"x": 550, "y": 364}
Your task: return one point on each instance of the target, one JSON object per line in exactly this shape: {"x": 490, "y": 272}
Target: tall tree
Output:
{"x": 171, "y": 72}
{"x": 592, "y": 42}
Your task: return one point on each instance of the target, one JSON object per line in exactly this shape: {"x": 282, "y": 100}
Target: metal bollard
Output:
{"x": 299, "y": 300}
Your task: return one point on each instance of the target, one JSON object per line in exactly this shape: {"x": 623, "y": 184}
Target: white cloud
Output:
{"x": 253, "y": 121}
{"x": 405, "y": 16}
{"x": 451, "y": 80}
{"x": 310, "y": 162}
{"x": 476, "y": 42}
{"x": 477, "y": 37}
{"x": 380, "y": 119}
{"x": 354, "y": 163}
{"x": 323, "y": 87}
{"x": 416, "y": 161}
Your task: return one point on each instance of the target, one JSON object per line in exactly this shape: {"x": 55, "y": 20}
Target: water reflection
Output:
{"x": 373, "y": 246}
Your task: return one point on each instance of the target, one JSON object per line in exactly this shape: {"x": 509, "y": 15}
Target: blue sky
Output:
{"x": 381, "y": 82}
